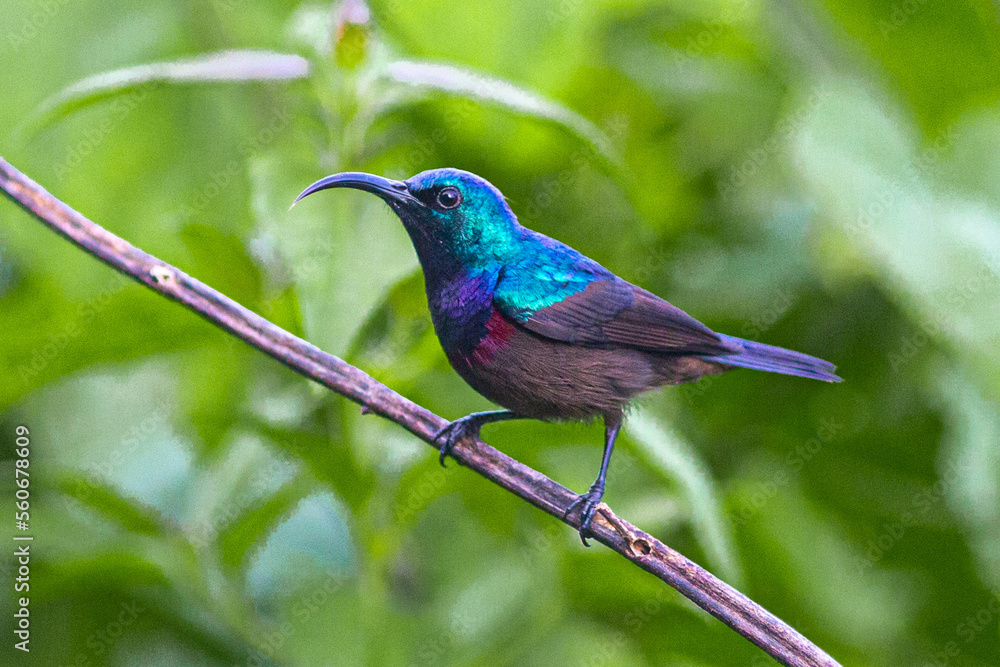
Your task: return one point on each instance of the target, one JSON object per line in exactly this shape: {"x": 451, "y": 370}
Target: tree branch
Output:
{"x": 730, "y": 606}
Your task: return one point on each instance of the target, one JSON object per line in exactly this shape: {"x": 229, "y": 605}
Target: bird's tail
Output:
{"x": 774, "y": 359}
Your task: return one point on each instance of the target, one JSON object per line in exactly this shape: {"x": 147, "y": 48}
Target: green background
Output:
{"x": 823, "y": 176}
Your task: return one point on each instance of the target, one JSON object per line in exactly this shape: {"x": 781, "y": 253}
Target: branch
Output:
{"x": 778, "y": 639}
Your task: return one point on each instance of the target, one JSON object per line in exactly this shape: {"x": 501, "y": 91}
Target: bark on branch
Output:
{"x": 716, "y": 597}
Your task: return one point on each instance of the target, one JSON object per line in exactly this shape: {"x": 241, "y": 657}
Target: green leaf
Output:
{"x": 240, "y": 539}
{"x": 677, "y": 461}
{"x": 969, "y": 473}
{"x": 392, "y": 342}
{"x": 452, "y": 80}
{"x": 333, "y": 464}
{"x": 222, "y": 261}
{"x": 68, "y": 335}
{"x": 234, "y": 66}
{"x": 128, "y": 512}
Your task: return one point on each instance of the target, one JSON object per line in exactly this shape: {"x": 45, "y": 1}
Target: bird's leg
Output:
{"x": 590, "y": 499}
{"x": 468, "y": 427}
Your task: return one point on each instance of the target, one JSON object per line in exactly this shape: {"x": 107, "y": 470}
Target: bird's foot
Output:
{"x": 460, "y": 429}
{"x": 590, "y": 500}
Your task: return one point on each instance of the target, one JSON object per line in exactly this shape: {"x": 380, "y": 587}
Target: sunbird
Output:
{"x": 539, "y": 328}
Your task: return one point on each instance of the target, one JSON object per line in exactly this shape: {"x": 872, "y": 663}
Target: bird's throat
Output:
{"x": 460, "y": 305}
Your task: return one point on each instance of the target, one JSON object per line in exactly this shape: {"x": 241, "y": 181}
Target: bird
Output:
{"x": 540, "y": 329}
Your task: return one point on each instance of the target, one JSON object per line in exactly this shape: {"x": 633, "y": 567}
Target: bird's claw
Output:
{"x": 453, "y": 432}
{"x": 590, "y": 500}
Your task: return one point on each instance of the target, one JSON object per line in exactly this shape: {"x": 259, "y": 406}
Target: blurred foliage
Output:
{"x": 818, "y": 175}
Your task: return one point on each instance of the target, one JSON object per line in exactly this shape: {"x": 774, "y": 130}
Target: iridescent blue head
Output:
{"x": 452, "y": 216}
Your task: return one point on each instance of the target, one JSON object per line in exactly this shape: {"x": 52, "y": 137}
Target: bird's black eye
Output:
{"x": 449, "y": 197}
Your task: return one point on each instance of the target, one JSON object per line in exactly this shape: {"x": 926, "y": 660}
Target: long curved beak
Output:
{"x": 393, "y": 192}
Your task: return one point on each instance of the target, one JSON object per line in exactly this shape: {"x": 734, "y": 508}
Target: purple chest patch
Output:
{"x": 460, "y": 308}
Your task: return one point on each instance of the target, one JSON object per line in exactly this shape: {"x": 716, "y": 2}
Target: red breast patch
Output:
{"x": 499, "y": 331}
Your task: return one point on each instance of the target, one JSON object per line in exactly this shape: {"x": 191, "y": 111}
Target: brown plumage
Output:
{"x": 539, "y": 328}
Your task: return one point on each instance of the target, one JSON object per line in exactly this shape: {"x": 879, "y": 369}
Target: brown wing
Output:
{"x": 613, "y": 312}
